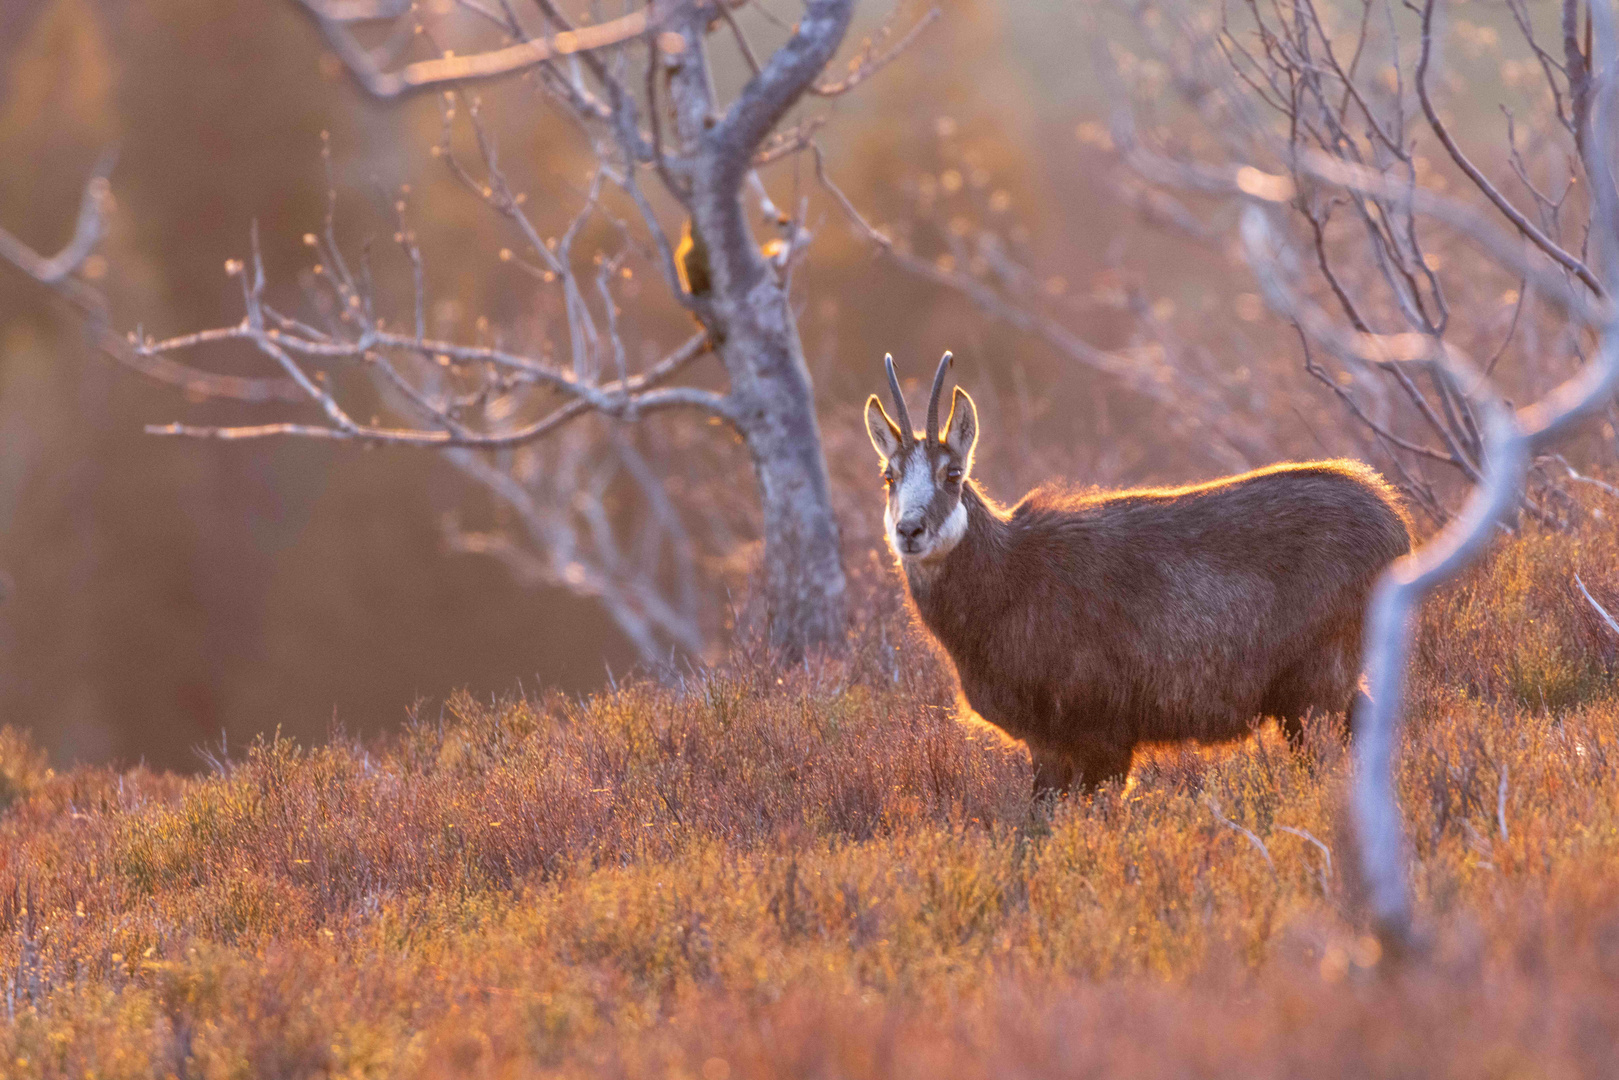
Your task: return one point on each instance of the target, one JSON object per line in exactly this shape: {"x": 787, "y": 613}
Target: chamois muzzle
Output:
{"x": 909, "y": 531}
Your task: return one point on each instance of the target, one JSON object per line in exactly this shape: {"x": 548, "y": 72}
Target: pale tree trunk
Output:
{"x": 803, "y": 575}
{"x": 751, "y": 318}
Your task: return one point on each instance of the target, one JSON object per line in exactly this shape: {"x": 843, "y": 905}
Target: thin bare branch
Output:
{"x": 635, "y": 396}
{"x": 869, "y": 61}
{"x": 741, "y": 38}
{"x": 424, "y": 74}
{"x": 86, "y": 234}
{"x": 1480, "y": 181}
{"x": 1607, "y": 619}
{"x": 61, "y": 272}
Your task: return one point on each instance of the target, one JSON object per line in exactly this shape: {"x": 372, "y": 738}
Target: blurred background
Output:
{"x": 161, "y": 595}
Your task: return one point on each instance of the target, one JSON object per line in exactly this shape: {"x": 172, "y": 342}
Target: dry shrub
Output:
{"x": 817, "y": 871}
{"x": 23, "y": 767}
{"x": 1517, "y": 629}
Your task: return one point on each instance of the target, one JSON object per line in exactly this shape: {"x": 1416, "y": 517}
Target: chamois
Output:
{"x": 1085, "y": 624}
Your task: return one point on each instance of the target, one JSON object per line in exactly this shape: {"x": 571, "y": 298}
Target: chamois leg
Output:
{"x": 1098, "y": 764}
{"x": 1320, "y": 684}
{"x": 1289, "y": 699}
{"x": 1053, "y": 774}
{"x": 1088, "y": 767}
{"x": 1341, "y": 718}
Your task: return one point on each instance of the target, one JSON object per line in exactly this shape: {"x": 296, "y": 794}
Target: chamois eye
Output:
{"x": 953, "y": 473}
{"x": 888, "y": 478}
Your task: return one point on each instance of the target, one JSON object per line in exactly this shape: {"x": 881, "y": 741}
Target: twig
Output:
{"x": 424, "y": 74}
{"x": 741, "y": 38}
{"x": 866, "y": 64}
{"x": 1608, "y": 489}
{"x": 1608, "y": 619}
{"x": 1324, "y": 874}
{"x": 1501, "y": 803}
{"x": 1259, "y": 845}
{"x": 1304, "y": 834}
{"x": 1482, "y": 182}
{"x": 60, "y": 272}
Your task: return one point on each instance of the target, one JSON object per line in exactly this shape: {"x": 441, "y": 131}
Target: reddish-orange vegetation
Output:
{"x": 818, "y": 871}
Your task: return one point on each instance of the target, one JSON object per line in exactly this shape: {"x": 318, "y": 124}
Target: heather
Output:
{"x": 818, "y": 870}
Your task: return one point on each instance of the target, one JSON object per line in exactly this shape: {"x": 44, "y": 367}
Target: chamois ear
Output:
{"x": 883, "y": 431}
{"x": 961, "y": 431}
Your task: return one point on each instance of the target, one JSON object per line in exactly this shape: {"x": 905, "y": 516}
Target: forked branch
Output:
{"x": 63, "y": 273}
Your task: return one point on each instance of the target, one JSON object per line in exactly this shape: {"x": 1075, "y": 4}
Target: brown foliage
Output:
{"x": 817, "y": 871}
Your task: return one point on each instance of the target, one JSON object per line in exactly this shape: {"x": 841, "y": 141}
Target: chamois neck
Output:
{"x": 977, "y": 555}
{"x": 986, "y": 518}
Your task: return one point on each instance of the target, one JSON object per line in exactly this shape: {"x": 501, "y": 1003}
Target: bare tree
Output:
{"x": 1322, "y": 139}
{"x": 567, "y": 438}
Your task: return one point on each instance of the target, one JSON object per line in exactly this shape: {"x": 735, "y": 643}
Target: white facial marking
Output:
{"x": 951, "y": 532}
{"x": 910, "y": 496}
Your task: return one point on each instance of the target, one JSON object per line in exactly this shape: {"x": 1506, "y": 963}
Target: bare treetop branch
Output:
{"x": 424, "y": 74}
{"x": 785, "y": 77}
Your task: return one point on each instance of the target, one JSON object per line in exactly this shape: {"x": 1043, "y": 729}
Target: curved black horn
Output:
{"x": 933, "y": 402}
{"x": 907, "y": 432}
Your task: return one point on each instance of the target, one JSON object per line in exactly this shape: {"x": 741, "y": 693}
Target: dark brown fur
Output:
{"x": 1086, "y": 624}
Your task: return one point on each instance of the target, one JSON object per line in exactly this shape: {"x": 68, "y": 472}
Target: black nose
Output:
{"x": 909, "y": 530}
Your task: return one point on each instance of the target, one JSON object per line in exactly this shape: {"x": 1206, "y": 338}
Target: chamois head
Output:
{"x": 925, "y": 473}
